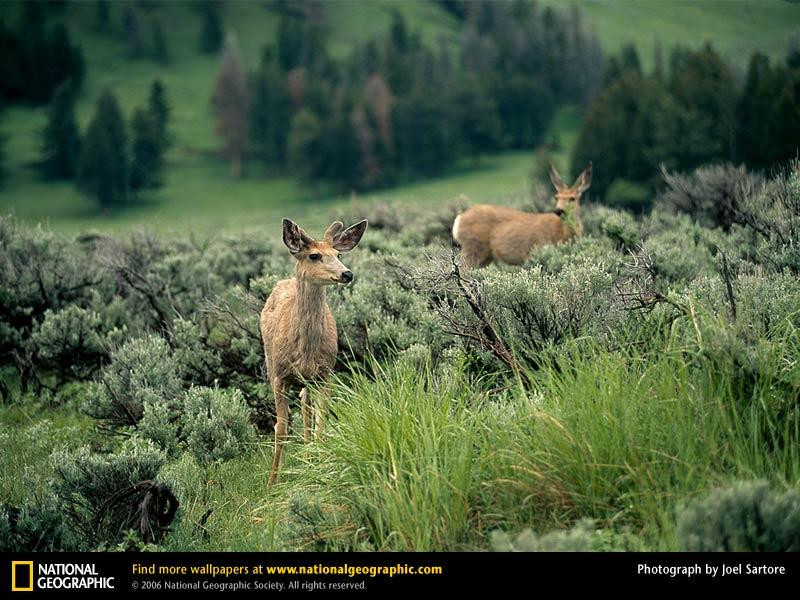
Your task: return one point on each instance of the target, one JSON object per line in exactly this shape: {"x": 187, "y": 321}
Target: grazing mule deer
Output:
{"x": 297, "y": 326}
{"x": 486, "y": 232}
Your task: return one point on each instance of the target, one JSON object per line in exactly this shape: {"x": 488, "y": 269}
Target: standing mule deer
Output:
{"x": 297, "y": 326}
{"x": 486, "y": 232}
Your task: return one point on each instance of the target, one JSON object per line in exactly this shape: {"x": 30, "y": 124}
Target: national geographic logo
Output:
{"x": 26, "y": 577}
{"x": 21, "y": 575}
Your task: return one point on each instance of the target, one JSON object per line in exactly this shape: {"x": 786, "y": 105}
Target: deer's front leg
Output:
{"x": 281, "y": 427}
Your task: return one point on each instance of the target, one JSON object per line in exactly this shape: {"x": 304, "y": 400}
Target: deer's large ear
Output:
{"x": 294, "y": 237}
{"x": 584, "y": 180}
{"x": 349, "y": 238}
{"x": 332, "y": 231}
{"x": 555, "y": 178}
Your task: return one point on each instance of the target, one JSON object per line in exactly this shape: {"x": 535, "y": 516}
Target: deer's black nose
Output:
{"x": 559, "y": 211}
{"x": 347, "y": 276}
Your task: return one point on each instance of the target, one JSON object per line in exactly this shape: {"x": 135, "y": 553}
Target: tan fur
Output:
{"x": 298, "y": 329}
{"x": 488, "y": 232}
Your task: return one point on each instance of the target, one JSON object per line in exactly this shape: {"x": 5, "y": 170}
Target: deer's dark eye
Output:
{"x": 315, "y": 256}
{"x": 339, "y": 255}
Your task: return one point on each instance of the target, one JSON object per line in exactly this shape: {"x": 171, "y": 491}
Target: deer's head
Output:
{"x": 318, "y": 262}
{"x": 568, "y": 197}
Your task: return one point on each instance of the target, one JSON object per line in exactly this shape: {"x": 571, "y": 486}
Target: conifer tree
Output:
{"x": 61, "y": 149}
{"x": 768, "y": 114}
{"x": 103, "y": 165}
{"x": 132, "y": 29}
{"x": 232, "y": 103}
{"x": 102, "y": 14}
{"x": 2, "y": 155}
{"x": 271, "y": 114}
{"x": 159, "y": 109}
{"x": 147, "y": 157}
{"x": 160, "y": 48}
{"x": 212, "y": 35}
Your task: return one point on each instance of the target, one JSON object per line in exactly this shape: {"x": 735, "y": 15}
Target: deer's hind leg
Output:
{"x": 307, "y": 410}
{"x": 281, "y": 427}
{"x": 320, "y": 409}
{"x": 475, "y": 253}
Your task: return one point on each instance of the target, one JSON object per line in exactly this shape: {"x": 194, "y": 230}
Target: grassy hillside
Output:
{"x": 736, "y": 27}
{"x": 198, "y": 191}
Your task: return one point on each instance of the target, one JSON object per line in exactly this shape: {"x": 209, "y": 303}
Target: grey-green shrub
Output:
{"x": 99, "y": 492}
{"x": 222, "y": 344}
{"x": 581, "y": 538}
{"x": 622, "y": 229}
{"x": 560, "y": 257}
{"x": 747, "y": 517}
{"x": 713, "y": 194}
{"x": 534, "y": 309}
{"x": 215, "y": 424}
{"x": 678, "y": 257}
{"x": 40, "y": 271}
{"x": 38, "y": 526}
{"x": 69, "y": 342}
{"x": 381, "y": 314}
{"x": 142, "y": 372}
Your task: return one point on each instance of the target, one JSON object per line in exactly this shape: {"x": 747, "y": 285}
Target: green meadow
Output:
{"x": 199, "y": 193}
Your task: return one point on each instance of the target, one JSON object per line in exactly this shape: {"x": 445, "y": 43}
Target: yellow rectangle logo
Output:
{"x": 15, "y": 564}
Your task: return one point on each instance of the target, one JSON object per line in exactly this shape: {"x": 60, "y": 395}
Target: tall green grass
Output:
{"x": 417, "y": 457}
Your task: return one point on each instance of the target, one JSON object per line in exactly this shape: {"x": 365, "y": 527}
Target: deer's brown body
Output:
{"x": 487, "y": 232}
{"x": 297, "y": 326}
{"x": 299, "y": 333}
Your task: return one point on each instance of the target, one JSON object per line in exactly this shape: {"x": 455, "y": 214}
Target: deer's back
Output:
{"x": 508, "y": 234}
{"x": 478, "y": 221}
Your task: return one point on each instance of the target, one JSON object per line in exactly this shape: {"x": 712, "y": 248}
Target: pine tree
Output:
{"x": 768, "y": 111}
{"x": 34, "y": 54}
{"x": 271, "y": 114}
{"x": 398, "y": 32}
{"x": 525, "y": 106}
{"x": 422, "y": 129}
{"x": 159, "y": 110}
{"x": 232, "y": 103}
{"x": 290, "y": 42}
{"x": 12, "y": 73}
{"x": 65, "y": 60}
{"x": 103, "y": 165}
{"x": 102, "y": 14}
{"x": 34, "y": 62}
{"x": 147, "y": 157}
{"x": 304, "y": 145}
{"x": 212, "y": 35}
{"x": 160, "y": 48}
{"x": 62, "y": 144}
{"x": 3, "y": 139}
{"x": 341, "y": 157}
{"x": 703, "y": 87}
{"x": 628, "y": 131}
{"x": 793, "y": 51}
{"x": 132, "y": 28}
{"x": 630, "y": 59}
{"x": 477, "y": 120}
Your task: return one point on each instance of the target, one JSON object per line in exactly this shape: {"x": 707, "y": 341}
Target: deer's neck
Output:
{"x": 309, "y": 315}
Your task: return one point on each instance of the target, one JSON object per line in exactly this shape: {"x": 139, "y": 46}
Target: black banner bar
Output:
{"x": 360, "y": 573}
